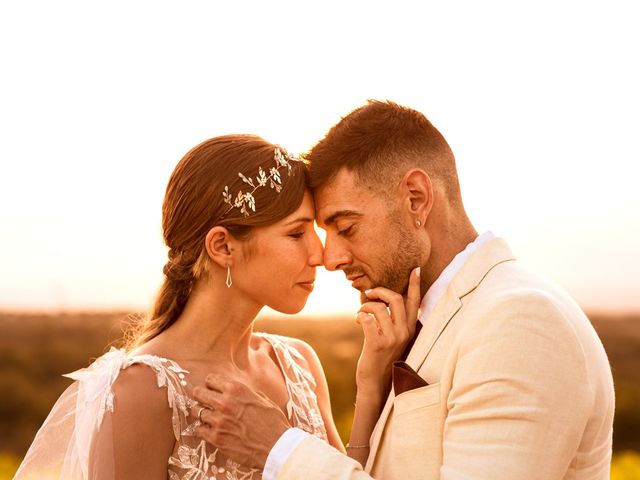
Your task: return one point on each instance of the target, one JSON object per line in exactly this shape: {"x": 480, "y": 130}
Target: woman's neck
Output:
{"x": 215, "y": 327}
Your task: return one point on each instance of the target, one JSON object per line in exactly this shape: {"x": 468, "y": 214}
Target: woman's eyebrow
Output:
{"x": 299, "y": 220}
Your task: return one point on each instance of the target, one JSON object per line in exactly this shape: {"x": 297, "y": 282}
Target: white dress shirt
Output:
{"x": 290, "y": 439}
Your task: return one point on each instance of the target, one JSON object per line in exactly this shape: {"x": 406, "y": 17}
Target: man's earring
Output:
{"x": 229, "y": 282}
{"x": 418, "y": 223}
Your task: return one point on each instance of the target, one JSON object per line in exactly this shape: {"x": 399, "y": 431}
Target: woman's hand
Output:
{"x": 388, "y": 321}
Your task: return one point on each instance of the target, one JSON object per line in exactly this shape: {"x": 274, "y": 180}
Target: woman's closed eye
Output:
{"x": 296, "y": 235}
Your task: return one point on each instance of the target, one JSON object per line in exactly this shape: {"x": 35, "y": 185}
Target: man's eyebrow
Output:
{"x": 341, "y": 213}
{"x": 299, "y": 220}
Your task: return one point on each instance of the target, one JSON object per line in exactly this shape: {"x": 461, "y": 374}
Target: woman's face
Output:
{"x": 279, "y": 265}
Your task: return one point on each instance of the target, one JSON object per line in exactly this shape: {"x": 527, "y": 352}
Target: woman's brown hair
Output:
{"x": 194, "y": 203}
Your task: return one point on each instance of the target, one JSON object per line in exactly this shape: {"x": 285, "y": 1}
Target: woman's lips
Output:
{"x": 307, "y": 285}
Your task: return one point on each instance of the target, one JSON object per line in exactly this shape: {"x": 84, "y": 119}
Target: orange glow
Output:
{"x": 541, "y": 112}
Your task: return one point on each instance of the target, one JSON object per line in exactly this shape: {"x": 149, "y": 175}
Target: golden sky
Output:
{"x": 99, "y": 101}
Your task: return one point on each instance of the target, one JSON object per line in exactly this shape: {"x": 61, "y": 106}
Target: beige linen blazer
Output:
{"x": 519, "y": 388}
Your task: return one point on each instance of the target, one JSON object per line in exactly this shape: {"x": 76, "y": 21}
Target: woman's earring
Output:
{"x": 229, "y": 282}
{"x": 418, "y": 223}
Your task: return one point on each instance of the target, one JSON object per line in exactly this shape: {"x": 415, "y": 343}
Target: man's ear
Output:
{"x": 218, "y": 243}
{"x": 418, "y": 189}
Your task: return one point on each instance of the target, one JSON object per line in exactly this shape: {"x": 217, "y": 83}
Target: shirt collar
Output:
{"x": 439, "y": 287}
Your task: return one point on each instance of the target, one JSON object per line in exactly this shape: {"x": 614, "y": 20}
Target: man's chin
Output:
{"x": 363, "y": 297}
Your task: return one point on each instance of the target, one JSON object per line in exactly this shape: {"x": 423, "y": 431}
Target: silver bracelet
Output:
{"x": 357, "y": 446}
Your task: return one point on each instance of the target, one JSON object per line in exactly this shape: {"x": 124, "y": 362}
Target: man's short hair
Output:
{"x": 379, "y": 142}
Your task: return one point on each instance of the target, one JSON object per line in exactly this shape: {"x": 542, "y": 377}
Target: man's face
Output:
{"x": 367, "y": 235}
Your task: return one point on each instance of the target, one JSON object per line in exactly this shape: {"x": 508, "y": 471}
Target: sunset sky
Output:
{"x": 98, "y": 101}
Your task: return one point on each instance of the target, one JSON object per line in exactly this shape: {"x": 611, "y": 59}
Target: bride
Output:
{"x": 238, "y": 221}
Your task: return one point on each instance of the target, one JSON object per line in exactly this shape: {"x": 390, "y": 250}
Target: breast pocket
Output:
{"x": 416, "y": 433}
{"x": 415, "y": 399}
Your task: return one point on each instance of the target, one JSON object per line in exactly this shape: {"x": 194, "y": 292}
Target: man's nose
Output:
{"x": 336, "y": 256}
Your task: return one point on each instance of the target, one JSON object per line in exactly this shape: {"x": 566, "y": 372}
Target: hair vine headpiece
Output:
{"x": 245, "y": 200}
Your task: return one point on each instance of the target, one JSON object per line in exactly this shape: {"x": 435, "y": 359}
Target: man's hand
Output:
{"x": 242, "y": 423}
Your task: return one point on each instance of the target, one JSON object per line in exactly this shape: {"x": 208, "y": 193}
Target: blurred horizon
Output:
{"x": 266, "y": 314}
{"x": 344, "y": 301}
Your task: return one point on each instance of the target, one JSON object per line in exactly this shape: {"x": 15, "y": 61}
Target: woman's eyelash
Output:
{"x": 296, "y": 235}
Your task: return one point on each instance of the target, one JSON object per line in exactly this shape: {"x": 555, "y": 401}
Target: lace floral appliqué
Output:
{"x": 193, "y": 458}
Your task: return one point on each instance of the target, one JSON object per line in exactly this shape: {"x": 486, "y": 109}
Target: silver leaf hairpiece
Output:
{"x": 245, "y": 201}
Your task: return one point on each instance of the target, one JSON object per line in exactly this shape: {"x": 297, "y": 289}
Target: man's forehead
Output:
{"x": 338, "y": 195}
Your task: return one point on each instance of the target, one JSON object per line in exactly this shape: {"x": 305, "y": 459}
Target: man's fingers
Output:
{"x": 207, "y": 417}
{"x": 215, "y": 382}
{"x": 211, "y": 435}
{"x": 206, "y": 397}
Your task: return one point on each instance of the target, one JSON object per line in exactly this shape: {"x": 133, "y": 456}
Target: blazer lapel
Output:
{"x": 471, "y": 274}
{"x": 445, "y": 310}
{"x": 435, "y": 324}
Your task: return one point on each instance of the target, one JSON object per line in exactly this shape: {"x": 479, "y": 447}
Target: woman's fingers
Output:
{"x": 369, "y": 326}
{"x": 397, "y": 322}
{"x": 413, "y": 300}
{"x": 404, "y": 311}
{"x": 380, "y": 312}
{"x": 392, "y": 299}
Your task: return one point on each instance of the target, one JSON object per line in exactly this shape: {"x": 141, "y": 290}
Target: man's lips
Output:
{"x": 355, "y": 279}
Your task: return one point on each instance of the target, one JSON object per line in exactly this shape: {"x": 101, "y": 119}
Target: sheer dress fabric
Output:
{"x": 75, "y": 442}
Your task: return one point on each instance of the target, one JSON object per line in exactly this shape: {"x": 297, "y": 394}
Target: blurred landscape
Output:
{"x": 35, "y": 350}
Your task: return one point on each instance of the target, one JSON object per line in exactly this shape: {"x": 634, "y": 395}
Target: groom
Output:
{"x": 514, "y": 382}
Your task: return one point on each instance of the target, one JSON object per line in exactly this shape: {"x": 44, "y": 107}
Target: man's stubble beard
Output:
{"x": 395, "y": 268}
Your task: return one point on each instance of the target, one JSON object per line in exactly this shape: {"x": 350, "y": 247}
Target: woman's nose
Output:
{"x": 316, "y": 253}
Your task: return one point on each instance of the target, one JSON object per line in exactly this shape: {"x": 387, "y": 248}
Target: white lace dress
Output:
{"x": 63, "y": 446}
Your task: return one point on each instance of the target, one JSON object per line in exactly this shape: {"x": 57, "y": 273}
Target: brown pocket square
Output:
{"x": 405, "y": 378}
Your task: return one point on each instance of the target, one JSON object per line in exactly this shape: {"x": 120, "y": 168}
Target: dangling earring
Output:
{"x": 229, "y": 282}
{"x": 418, "y": 223}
